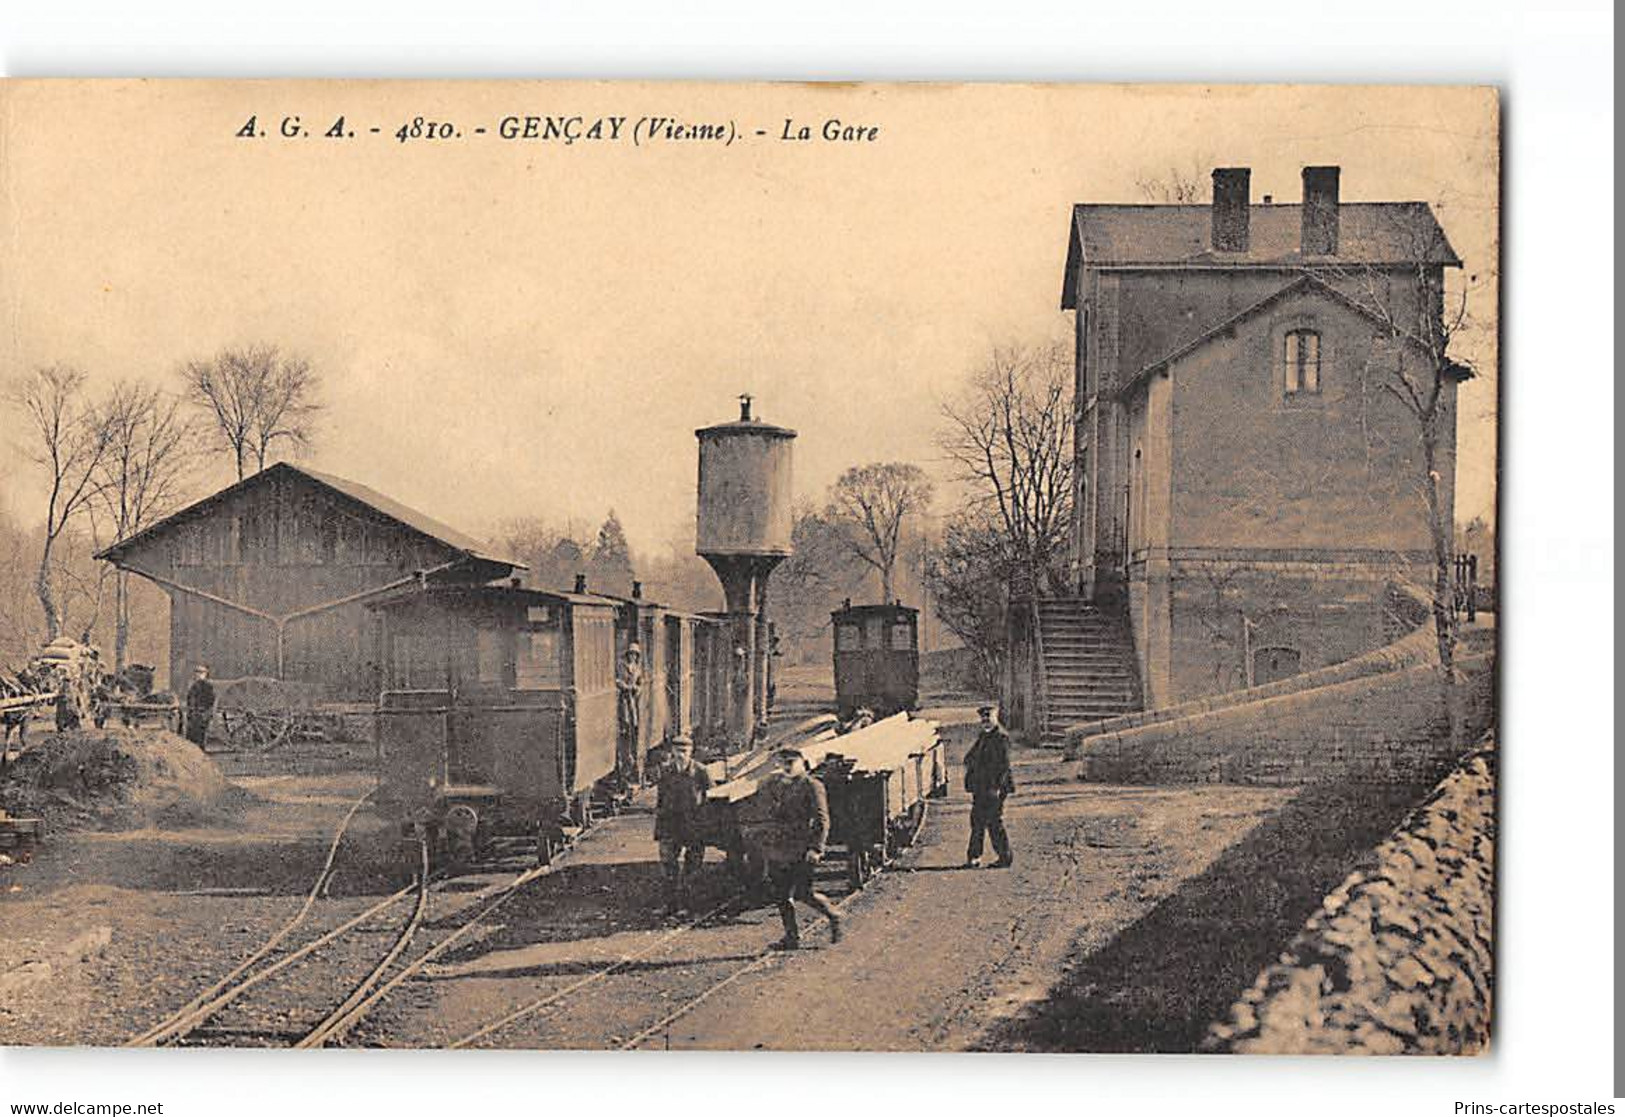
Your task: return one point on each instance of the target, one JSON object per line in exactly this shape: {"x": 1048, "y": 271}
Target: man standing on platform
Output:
{"x": 678, "y": 802}
{"x": 798, "y": 826}
{"x": 989, "y": 781}
{"x": 199, "y": 706}
{"x": 629, "y": 712}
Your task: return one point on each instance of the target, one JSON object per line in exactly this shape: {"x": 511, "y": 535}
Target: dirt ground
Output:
{"x": 107, "y": 932}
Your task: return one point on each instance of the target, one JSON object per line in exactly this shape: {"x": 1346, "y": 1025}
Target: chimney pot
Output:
{"x": 1232, "y": 195}
{"x": 637, "y": 589}
{"x": 581, "y": 583}
{"x": 744, "y": 408}
{"x": 1320, "y": 200}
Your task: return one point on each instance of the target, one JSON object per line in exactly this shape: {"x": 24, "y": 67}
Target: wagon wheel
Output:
{"x": 908, "y": 828}
{"x": 255, "y": 714}
{"x": 856, "y": 867}
{"x": 256, "y": 730}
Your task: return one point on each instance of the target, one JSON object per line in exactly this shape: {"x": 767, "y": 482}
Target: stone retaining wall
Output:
{"x": 1389, "y": 727}
{"x": 1418, "y": 648}
{"x": 1400, "y": 958}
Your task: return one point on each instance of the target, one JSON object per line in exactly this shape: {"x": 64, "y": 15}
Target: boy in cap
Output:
{"x": 989, "y": 781}
{"x": 798, "y": 812}
{"x": 678, "y": 800}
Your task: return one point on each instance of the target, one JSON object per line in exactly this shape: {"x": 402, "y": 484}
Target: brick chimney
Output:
{"x": 1232, "y": 194}
{"x": 1319, "y": 236}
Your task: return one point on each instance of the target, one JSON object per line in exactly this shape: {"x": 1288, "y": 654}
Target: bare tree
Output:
{"x": 68, "y": 438}
{"x": 821, "y": 570}
{"x": 1415, "y": 363}
{"x": 141, "y": 476}
{"x": 256, "y": 397}
{"x": 871, "y": 502}
{"x": 969, "y": 575}
{"x": 1011, "y": 439}
{"x": 1188, "y": 186}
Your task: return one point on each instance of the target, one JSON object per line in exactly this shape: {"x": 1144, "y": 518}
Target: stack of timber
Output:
{"x": 742, "y": 774}
{"x": 26, "y": 701}
{"x": 907, "y": 750}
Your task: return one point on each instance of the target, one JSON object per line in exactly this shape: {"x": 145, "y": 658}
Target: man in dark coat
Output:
{"x": 793, "y": 843}
{"x": 199, "y": 706}
{"x": 678, "y": 801}
{"x": 988, "y": 779}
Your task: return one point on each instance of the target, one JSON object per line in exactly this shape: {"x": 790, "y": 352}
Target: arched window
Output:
{"x": 1301, "y": 360}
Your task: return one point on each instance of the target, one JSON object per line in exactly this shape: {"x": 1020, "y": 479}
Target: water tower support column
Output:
{"x": 762, "y": 651}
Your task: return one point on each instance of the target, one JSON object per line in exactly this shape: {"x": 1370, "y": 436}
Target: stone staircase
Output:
{"x": 1089, "y": 667}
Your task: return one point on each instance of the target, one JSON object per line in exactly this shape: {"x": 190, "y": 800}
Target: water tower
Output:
{"x": 744, "y": 532}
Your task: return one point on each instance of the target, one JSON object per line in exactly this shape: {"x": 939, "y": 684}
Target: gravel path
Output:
{"x": 934, "y": 955}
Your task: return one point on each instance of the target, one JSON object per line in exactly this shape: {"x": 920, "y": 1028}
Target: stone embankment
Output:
{"x": 1391, "y": 727}
{"x": 1399, "y": 958}
{"x": 1418, "y": 648}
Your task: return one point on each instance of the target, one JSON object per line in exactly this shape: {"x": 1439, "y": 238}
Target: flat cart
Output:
{"x": 877, "y": 780}
{"x": 19, "y": 837}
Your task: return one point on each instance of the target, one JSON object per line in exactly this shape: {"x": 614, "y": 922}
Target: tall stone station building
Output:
{"x": 1249, "y": 481}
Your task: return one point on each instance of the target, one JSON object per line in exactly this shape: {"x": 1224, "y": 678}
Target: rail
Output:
{"x": 760, "y": 960}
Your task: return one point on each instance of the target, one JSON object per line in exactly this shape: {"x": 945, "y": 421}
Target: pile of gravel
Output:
{"x": 118, "y": 779}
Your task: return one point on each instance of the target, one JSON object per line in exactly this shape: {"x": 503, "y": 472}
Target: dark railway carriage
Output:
{"x": 498, "y": 709}
{"x": 877, "y": 659}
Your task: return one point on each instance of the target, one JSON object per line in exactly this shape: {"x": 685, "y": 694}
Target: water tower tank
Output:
{"x": 744, "y": 498}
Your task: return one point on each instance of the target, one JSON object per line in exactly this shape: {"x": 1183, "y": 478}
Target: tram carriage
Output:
{"x": 682, "y": 672}
{"x": 498, "y": 710}
{"x": 877, "y": 659}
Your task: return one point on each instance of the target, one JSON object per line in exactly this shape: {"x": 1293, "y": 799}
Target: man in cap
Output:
{"x": 681, "y": 794}
{"x": 628, "y": 711}
{"x": 989, "y": 781}
{"x": 798, "y": 826}
{"x": 199, "y": 706}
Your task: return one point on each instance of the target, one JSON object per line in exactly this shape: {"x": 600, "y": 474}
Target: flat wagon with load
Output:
{"x": 877, "y": 779}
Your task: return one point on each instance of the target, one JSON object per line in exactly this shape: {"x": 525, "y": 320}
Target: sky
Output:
{"x": 513, "y": 328}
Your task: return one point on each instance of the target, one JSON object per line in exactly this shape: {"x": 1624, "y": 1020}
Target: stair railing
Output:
{"x": 1040, "y": 671}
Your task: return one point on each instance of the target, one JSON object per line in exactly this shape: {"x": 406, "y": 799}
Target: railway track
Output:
{"x": 207, "y": 1019}
{"x": 277, "y": 961}
{"x": 761, "y": 959}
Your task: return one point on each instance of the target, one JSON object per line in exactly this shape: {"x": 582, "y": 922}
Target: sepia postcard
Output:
{"x": 658, "y": 566}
